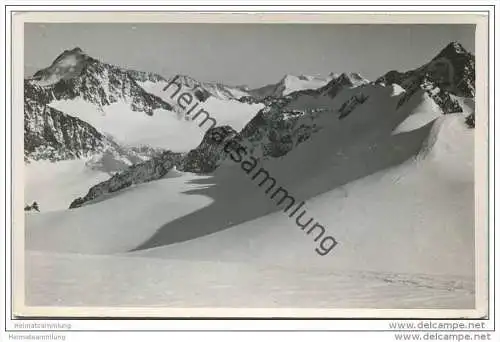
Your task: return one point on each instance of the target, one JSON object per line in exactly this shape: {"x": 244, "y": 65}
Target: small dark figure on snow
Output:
{"x": 471, "y": 120}
{"x": 33, "y": 206}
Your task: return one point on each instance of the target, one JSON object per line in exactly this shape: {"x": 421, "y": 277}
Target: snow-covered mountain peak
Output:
{"x": 290, "y": 84}
{"x": 345, "y": 80}
{"x": 75, "y": 63}
{"x": 351, "y": 79}
{"x": 75, "y": 52}
{"x": 75, "y": 75}
{"x": 290, "y": 80}
{"x": 67, "y": 65}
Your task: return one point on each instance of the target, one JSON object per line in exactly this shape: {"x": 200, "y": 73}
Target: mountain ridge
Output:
{"x": 289, "y": 120}
{"x": 284, "y": 123}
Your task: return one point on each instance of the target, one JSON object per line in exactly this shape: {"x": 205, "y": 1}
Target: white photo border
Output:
{"x": 320, "y": 323}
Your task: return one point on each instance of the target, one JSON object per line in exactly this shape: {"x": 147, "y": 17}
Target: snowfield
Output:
{"x": 424, "y": 207}
{"x": 164, "y": 129}
{"x": 106, "y": 227}
{"x": 117, "y": 281}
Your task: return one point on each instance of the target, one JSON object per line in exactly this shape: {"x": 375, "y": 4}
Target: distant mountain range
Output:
{"x": 290, "y": 114}
{"x": 294, "y": 107}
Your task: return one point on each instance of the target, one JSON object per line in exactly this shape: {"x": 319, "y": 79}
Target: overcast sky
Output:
{"x": 250, "y": 54}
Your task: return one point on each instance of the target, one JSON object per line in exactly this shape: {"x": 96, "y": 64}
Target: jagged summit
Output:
{"x": 74, "y": 74}
{"x": 351, "y": 79}
{"x": 68, "y": 64}
{"x": 68, "y": 54}
{"x": 450, "y": 73}
{"x": 345, "y": 80}
{"x": 452, "y": 49}
{"x": 73, "y": 63}
{"x": 74, "y": 51}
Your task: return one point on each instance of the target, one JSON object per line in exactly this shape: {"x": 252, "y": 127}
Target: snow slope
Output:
{"x": 112, "y": 226}
{"x": 423, "y": 207}
{"x": 405, "y": 233}
{"x": 164, "y": 129}
{"x": 421, "y": 114}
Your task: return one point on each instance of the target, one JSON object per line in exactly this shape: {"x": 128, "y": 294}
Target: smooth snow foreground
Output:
{"x": 406, "y": 240}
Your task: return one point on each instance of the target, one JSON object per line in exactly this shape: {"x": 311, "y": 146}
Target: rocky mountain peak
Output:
{"x": 67, "y": 65}
{"x": 351, "y": 79}
{"x": 73, "y": 74}
{"x": 54, "y": 135}
{"x": 450, "y": 73}
{"x": 344, "y": 79}
{"x": 452, "y": 49}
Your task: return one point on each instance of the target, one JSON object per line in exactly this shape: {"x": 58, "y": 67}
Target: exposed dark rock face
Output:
{"x": 351, "y": 104}
{"x": 210, "y": 153}
{"x": 463, "y": 80}
{"x": 275, "y": 130}
{"x": 143, "y": 76}
{"x": 153, "y": 169}
{"x": 52, "y": 135}
{"x": 442, "y": 97}
{"x": 248, "y": 99}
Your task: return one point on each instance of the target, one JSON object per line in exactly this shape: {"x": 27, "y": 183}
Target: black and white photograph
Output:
{"x": 248, "y": 166}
